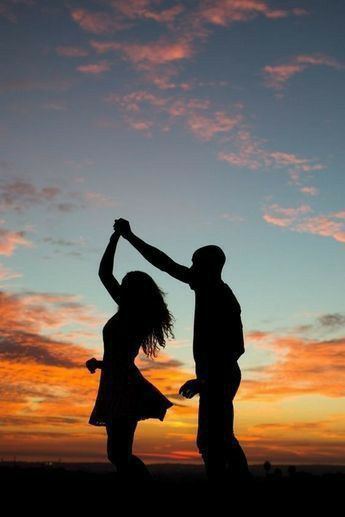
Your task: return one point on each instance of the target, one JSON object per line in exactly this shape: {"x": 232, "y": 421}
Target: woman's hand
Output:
{"x": 92, "y": 365}
{"x": 123, "y": 226}
{"x": 117, "y": 233}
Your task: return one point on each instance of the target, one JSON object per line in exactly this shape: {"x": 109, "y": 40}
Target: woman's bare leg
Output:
{"x": 119, "y": 446}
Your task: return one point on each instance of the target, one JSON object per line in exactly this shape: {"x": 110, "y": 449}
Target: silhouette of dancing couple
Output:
{"x": 143, "y": 321}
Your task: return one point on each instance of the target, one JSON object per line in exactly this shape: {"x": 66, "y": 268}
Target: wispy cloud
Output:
{"x": 144, "y": 110}
{"x": 253, "y": 153}
{"x": 183, "y": 26}
{"x": 95, "y": 68}
{"x": 20, "y": 194}
{"x": 301, "y": 366}
{"x": 226, "y": 12}
{"x": 310, "y": 191}
{"x": 277, "y": 76}
{"x": 332, "y": 321}
{"x": 97, "y": 199}
{"x": 122, "y": 15}
{"x": 7, "y": 274}
{"x": 9, "y": 8}
{"x": 206, "y": 128}
{"x": 71, "y": 51}
{"x": 95, "y": 22}
{"x": 147, "y": 55}
{"x": 10, "y": 240}
{"x": 298, "y": 219}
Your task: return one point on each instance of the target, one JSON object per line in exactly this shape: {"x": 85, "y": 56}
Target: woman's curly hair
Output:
{"x": 142, "y": 302}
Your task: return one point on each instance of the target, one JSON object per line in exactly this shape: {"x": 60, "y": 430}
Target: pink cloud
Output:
{"x": 277, "y": 76}
{"x": 98, "y": 200}
{"x": 310, "y": 191}
{"x": 94, "y": 68}
{"x": 95, "y": 22}
{"x": 8, "y": 274}
{"x": 68, "y": 51}
{"x": 225, "y": 12}
{"x": 251, "y": 153}
{"x": 284, "y": 217}
{"x": 324, "y": 226}
{"x": 150, "y": 54}
{"x": 133, "y": 101}
{"x": 339, "y": 215}
{"x": 140, "y": 125}
{"x": 10, "y": 240}
{"x": 296, "y": 220}
{"x": 166, "y": 15}
{"x": 206, "y": 127}
{"x": 194, "y": 113}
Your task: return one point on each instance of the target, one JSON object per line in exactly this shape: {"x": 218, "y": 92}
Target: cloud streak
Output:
{"x": 277, "y": 76}
{"x": 296, "y": 219}
{"x": 301, "y": 367}
{"x": 10, "y": 240}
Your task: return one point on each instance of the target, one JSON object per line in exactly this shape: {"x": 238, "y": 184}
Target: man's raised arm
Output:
{"x": 153, "y": 255}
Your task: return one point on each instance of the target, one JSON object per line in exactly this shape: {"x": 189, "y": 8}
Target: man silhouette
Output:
{"x": 217, "y": 345}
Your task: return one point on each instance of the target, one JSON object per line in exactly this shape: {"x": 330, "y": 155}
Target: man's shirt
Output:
{"x": 218, "y": 332}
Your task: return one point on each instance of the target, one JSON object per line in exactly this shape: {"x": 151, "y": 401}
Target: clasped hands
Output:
{"x": 121, "y": 227}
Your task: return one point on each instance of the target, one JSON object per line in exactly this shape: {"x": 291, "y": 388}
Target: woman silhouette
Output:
{"x": 124, "y": 395}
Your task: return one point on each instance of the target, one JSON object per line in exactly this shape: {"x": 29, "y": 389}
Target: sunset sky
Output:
{"x": 202, "y": 122}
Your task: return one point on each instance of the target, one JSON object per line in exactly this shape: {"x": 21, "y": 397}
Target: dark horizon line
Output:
{"x": 170, "y": 463}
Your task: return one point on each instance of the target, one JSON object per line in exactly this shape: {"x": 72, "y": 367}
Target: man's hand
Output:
{"x": 92, "y": 365}
{"x": 123, "y": 227}
{"x": 190, "y": 388}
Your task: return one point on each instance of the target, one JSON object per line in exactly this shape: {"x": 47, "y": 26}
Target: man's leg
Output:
{"x": 237, "y": 466}
{"x": 210, "y": 439}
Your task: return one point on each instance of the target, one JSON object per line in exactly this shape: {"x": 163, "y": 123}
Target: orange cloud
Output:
{"x": 295, "y": 219}
{"x": 45, "y": 386}
{"x": 277, "y": 76}
{"x": 301, "y": 367}
{"x": 10, "y": 240}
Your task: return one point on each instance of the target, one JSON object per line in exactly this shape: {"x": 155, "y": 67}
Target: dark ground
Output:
{"x": 173, "y": 486}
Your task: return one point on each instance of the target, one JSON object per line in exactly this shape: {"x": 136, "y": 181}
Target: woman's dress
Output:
{"x": 123, "y": 391}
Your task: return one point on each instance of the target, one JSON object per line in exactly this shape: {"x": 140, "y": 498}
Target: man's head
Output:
{"x": 208, "y": 260}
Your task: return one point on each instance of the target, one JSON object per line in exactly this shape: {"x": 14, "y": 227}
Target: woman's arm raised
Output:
{"x": 106, "y": 266}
